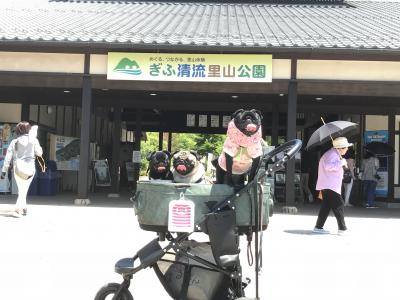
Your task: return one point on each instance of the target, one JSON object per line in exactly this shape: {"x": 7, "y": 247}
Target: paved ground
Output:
{"x": 64, "y": 252}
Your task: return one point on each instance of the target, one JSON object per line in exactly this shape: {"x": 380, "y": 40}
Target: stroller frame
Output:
{"x": 152, "y": 252}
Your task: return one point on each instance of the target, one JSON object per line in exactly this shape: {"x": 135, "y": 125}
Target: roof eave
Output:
{"x": 277, "y": 51}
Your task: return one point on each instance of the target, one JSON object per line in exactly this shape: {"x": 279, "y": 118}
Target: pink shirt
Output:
{"x": 242, "y": 148}
{"x": 330, "y": 171}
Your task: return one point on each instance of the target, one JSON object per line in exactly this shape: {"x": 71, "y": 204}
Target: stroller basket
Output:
{"x": 184, "y": 278}
{"x": 152, "y": 199}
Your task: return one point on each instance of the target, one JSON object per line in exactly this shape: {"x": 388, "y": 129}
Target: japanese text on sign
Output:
{"x": 188, "y": 67}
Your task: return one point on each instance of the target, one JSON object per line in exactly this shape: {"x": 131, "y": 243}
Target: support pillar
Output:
{"x": 170, "y": 141}
{"x": 275, "y": 125}
{"x": 136, "y": 146}
{"x": 85, "y": 140}
{"x": 116, "y": 138}
{"x": 160, "y": 141}
{"x": 391, "y": 164}
{"x": 291, "y": 134}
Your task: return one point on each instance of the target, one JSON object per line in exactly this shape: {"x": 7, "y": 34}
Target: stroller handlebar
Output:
{"x": 288, "y": 149}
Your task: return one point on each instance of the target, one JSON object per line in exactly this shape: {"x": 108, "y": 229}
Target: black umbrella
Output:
{"x": 380, "y": 148}
{"x": 330, "y": 131}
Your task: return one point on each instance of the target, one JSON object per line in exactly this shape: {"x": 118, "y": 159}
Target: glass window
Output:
{"x": 68, "y": 121}
{"x": 60, "y": 119}
{"x": 47, "y": 115}
{"x": 98, "y": 129}
{"x": 397, "y": 126}
{"x": 123, "y": 135}
{"x": 376, "y": 122}
{"x": 33, "y": 113}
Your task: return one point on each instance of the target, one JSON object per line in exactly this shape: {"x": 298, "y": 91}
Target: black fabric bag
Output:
{"x": 347, "y": 176}
{"x": 185, "y": 278}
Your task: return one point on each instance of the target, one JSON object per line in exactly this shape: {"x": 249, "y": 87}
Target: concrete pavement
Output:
{"x": 61, "y": 251}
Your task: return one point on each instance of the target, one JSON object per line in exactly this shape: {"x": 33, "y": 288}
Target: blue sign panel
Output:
{"x": 383, "y": 137}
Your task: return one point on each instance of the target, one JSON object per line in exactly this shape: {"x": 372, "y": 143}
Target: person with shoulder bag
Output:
{"x": 370, "y": 178}
{"x": 348, "y": 176}
{"x": 21, "y": 154}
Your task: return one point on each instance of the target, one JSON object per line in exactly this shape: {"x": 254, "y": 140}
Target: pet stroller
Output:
{"x": 190, "y": 270}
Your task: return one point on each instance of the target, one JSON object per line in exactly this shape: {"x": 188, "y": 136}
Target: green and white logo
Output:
{"x": 128, "y": 66}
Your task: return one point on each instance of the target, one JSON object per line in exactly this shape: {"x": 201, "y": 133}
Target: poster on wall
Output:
{"x": 190, "y": 120}
{"x": 136, "y": 157}
{"x": 7, "y": 131}
{"x": 4, "y": 183}
{"x": 202, "y": 120}
{"x": 6, "y": 136}
{"x": 101, "y": 173}
{"x": 214, "y": 121}
{"x": 130, "y": 171}
{"x": 383, "y": 137}
{"x": 64, "y": 150}
{"x": 225, "y": 121}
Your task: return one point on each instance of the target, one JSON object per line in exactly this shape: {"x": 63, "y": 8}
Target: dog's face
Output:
{"x": 247, "y": 121}
{"x": 184, "y": 162}
{"x": 159, "y": 161}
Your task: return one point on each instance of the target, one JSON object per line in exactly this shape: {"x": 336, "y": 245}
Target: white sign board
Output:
{"x": 136, "y": 157}
{"x": 181, "y": 216}
{"x": 101, "y": 173}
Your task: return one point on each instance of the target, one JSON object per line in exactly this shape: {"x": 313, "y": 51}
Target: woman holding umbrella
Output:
{"x": 329, "y": 182}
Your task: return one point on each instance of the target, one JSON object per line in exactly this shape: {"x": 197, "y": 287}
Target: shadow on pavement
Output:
{"x": 301, "y": 231}
{"x": 350, "y": 211}
{"x": 67, "y": 199}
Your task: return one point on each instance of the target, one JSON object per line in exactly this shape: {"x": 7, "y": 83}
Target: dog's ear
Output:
{"x": 256, "y": 111}
{"x": 168, "y": 153}
{"x": 173, "y": 154}
{"x": 236, "y": 113}
{"x": 198, "y": 157}
{"x": 150, "y": 155}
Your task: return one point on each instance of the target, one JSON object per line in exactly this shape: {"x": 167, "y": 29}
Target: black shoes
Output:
{"x": 370, "y": 206}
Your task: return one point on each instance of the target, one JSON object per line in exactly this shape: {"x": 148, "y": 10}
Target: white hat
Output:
{"x": 341, "y": 142}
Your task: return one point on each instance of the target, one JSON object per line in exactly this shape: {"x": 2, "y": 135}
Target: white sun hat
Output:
{"x": 341, "y": 142}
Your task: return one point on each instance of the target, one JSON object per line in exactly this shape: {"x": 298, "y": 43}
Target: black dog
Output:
{"x": 242, "y": 148}
{"x": 159, "y": 165}
{"x": 186, "y": 167}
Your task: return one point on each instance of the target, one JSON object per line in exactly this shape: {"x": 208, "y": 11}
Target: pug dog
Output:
{"x": 186, "y": 167}
{"x": 159, "y": 165}
{"x": 242, "y": 148}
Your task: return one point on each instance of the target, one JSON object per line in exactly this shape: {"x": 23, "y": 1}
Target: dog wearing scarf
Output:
{"x": 242, "y": 148}
{"x": 159, "y": 165}
{"x": 187, "y": 167}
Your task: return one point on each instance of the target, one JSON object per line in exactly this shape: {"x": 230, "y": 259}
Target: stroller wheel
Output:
{"x": 110, "y": 289}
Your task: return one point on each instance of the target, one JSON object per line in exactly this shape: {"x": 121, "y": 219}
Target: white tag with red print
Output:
{"x": 181, "y": 215}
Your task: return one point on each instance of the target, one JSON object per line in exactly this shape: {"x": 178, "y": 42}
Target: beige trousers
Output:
{"x": 23, "y": 187}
